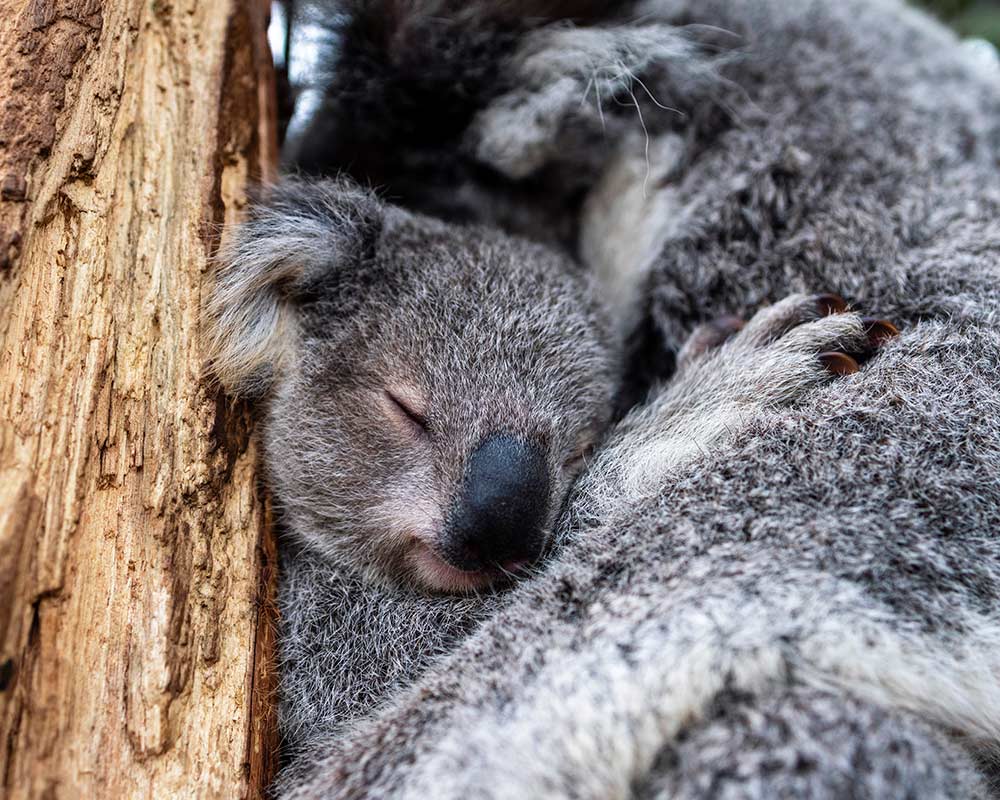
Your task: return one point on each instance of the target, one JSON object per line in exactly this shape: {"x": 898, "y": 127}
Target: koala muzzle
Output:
{"x": 501, "y": 510}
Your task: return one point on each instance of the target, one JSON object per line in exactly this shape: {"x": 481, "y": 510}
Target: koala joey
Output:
{"x": 430, "y": 390}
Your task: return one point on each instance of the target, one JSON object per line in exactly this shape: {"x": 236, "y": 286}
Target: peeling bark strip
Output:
{"x": 136, "y": 575}
{"x": 39, "y": 49}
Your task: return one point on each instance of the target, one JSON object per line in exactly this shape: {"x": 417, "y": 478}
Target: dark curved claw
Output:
{"x": 839, "y": 363}
{"x": 830, "y": 304}
{"x": 879, "y": 331}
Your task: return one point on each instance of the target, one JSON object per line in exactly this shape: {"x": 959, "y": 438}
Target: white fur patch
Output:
{"x": 627, "y": 217}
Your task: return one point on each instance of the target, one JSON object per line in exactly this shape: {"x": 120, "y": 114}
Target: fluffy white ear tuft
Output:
{"x": 298, "y": 233}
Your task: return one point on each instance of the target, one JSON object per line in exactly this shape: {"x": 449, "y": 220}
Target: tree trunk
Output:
{"x": 135, "y": 565}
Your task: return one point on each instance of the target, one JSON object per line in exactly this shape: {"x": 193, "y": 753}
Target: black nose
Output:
{"x": 500, "y": 513}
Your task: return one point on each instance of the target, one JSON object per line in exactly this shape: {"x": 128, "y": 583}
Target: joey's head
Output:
{"x": 429, "y": 391}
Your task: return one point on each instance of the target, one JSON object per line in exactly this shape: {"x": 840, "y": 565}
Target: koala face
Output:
{"x": 430, "y": 391}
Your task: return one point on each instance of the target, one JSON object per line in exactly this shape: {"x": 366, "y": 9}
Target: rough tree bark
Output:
{"x": 134, "y": 561}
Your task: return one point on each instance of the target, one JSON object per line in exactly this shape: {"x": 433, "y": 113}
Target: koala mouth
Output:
{"x": 437, "y": 575}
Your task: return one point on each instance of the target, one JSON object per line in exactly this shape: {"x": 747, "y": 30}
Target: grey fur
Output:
{"x": 806, "y": 743}
{"x": 809, "y": 607}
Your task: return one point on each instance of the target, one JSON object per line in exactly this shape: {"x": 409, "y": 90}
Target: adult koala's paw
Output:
{"x": 783, "y": 350}
{"x": 729, "y": 372}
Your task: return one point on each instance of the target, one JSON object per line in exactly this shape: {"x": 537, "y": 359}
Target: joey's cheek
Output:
{"x": 411, "y": 507}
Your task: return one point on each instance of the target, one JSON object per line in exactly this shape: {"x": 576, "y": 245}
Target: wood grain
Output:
{"x": 136, "y": 572}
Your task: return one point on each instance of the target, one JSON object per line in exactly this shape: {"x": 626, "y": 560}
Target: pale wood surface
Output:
{"x": 135, "y": 592}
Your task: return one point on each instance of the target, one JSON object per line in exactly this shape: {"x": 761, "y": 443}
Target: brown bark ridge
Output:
{"x": 136, "y": 571}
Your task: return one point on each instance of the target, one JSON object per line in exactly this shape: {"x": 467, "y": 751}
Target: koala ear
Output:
{"x": 299, "y": 232}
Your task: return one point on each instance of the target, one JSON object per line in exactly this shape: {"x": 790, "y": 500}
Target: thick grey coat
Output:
{"x": 808, "y": 605}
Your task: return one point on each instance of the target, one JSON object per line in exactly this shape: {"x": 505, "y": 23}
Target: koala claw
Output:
{"x": 839, "y": 363}
{"x": 879, "y": 331}
{"x": 830, "y": 304}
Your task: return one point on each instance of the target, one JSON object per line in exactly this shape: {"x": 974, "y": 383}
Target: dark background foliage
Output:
{"x": 969, "y": 17}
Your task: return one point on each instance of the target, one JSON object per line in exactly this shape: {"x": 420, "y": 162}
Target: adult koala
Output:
{"x": 809, "y": 610}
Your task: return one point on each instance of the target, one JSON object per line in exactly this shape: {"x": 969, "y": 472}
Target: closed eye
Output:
{"x": 406, "y": 411}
